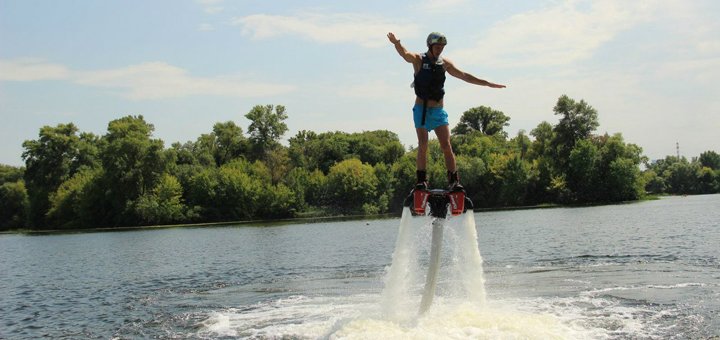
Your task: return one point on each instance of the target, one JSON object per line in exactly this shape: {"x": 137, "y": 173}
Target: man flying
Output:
{"x": 428, "y": 111}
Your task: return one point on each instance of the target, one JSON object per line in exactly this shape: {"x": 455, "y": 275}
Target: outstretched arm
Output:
{"x": 409, "y": 57}
{"x": 457, "y": 73}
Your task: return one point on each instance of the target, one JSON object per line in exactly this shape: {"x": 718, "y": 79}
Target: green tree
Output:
{"x": 625, "y": 180}
{"x": 614, "y": 155}
{"x": 385, "y": 187}
{"x": 230, "y": 143}
{"x": 14, "y": 204}
{"x": 483, "y": 119}
{"x": 352, "y": 184}
{"x": 707, "y": 181}
{"x": 163, "y": 205}
{"x": 10, "y": 173}
{"x": 654, "y": 183}
{"x": 373, "y": 147}
{"x": 474, "y": 174}
{"x": 278, "y": 163}
{"x": 710, "y": 159}
{"x": 319, "y": 151}
{"x": 578, "y": 120}
{"x": 521, "y": 143}
{"x": 582, "y": 174}
{"x": 403, "y": 174}
{"x": 680, "y": 177}
{"x": 50, "y": 160}
{"x": 266, "y": 128}
{"x": 133, "y": 164}
{"x": 513, "y": 181}
{"x": 70, "y": 203}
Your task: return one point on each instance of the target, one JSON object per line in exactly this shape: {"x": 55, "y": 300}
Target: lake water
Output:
{"x": 647, "y": 270}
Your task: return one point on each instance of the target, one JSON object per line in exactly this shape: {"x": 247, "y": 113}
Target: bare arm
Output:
{"x": 409, "y": 57}
{"x": 457, "y": 73}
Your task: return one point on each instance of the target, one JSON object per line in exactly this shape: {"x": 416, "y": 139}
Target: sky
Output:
{"x": 650, "y": 68}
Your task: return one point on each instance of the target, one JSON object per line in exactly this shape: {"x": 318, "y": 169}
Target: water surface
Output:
{"x": 641, "y": 270}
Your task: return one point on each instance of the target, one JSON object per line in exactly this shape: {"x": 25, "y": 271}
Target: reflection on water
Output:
{"x": 642, "y": 270}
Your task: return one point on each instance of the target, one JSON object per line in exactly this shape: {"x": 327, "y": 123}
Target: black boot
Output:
{"x": 421, "y": 183}
{"x": 454, "y": 181}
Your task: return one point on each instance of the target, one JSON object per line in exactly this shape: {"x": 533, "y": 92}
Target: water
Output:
{"x": 646, "y": 270}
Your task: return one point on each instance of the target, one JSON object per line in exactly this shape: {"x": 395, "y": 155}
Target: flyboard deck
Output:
{"x": 439, "y": 201}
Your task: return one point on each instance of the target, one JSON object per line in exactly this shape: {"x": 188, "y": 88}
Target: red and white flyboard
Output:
{"x": 439, "y": 201}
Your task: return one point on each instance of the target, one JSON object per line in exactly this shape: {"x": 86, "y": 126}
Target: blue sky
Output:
{"x": 650, "y": 68}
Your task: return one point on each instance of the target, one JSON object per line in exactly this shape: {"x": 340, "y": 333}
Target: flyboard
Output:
{"x": 438, "y": 203}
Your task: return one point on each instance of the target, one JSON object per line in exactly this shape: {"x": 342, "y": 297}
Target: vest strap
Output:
{"x": 424, "y": 111}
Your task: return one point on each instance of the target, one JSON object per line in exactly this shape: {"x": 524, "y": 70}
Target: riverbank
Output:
{"x": 298, "y": 220}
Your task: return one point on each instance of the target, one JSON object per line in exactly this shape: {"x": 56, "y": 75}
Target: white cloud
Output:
{"x": 365, "y": 30}
{"x": 31, "y": 70}
{"x": 211, "y": 6}
{"x": 158, "y": 80}
{"x": 435, "y": 6}
{"x": 151, "y": 80}
{"x": 569, "y": 31}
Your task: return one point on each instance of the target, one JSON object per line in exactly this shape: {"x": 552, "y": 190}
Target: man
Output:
{"x": 428, "y": 111}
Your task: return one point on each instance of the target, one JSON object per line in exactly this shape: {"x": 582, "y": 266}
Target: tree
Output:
{"x": 352, "y": 184}
{"x": 654, "y": 183}
{"x": 578, "y": 120}
{"x": 710, "y": 159}
{"x": 10, "y": 173}
{"x": 54, "y": 157}
{"x": 521, "y": 143}
{"x": 483, "y": 119}
{"x": 163, "y": 204}
{"x": 542, "y": 145}
{"x": 133, "y": 164}
{"x": 230, "y": 143}
{"x": 373, "y": 147}
{"x": 618, "y": 159}
{"x": 680, "y": 177}
{"x": 14, "y": 205}
{"x": 625, "y": 180}
{"x": 582, "y": 175}
{"x": 70, "y": 203}
{"x": 543, "y": 164}
{"x": 278, "y": 163}
{"x": 513, "y": 181}
{"x": 266, "y": 128}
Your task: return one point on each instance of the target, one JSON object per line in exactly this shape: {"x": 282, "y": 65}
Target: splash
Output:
{"x": 459, "y": 308}
{"x": 395, "y": 299}
{"x": 462, "y": 279}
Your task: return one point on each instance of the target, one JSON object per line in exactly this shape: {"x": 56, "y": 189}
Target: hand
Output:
{"x": 496, "y": 86}
{"x": 392, "y": 38}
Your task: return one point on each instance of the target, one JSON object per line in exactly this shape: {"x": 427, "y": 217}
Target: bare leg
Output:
{"x": 422, "y": 135}
{"x": 443, "y": 134}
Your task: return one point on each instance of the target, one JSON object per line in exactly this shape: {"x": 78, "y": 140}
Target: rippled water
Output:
{"x": 641, "y": 270}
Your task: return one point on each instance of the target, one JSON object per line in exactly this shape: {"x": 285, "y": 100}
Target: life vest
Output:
{"x": 429, "y": 81}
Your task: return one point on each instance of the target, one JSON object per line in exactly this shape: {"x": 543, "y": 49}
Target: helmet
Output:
{"x": 436, "y": 38}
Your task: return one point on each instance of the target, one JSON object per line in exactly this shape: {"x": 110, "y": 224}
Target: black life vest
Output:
{"x": 430, "y": 79}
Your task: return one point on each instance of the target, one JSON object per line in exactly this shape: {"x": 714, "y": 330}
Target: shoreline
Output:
{"x": 295, "y": 220}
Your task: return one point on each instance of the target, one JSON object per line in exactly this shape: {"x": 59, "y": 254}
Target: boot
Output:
{"x": 454, "y": 181}
{"x": 422, "y": 183}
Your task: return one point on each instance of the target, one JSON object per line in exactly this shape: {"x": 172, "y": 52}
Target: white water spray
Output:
{"x": 400, "y": 276}
{"x": 398, "y": 296}
{"x": 472, "y": 275}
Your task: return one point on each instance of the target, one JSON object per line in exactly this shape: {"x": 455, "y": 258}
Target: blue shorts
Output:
{"x": 435, "y": 117}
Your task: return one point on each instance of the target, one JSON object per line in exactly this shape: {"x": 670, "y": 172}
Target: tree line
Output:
{"x": 126, "y": 177}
